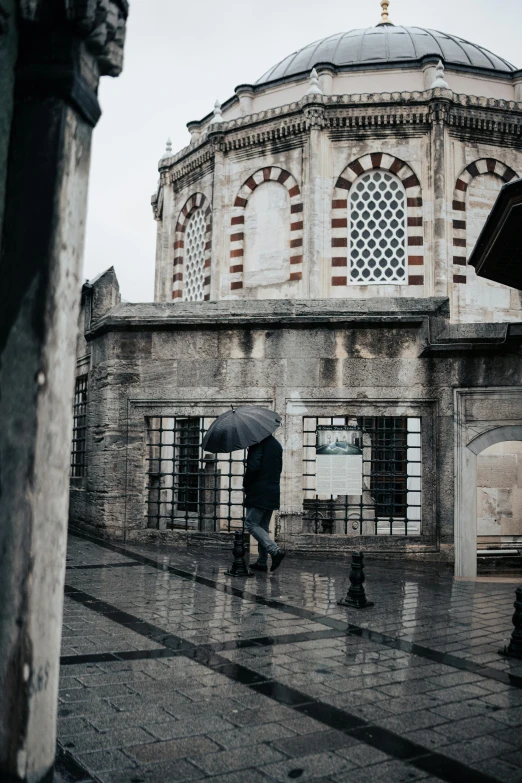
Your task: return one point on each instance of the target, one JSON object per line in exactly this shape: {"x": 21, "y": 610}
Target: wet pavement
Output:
{"x": 172, "y": 671}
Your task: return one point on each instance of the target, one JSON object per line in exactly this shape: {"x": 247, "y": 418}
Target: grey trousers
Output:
{"x": 257, "y": 523}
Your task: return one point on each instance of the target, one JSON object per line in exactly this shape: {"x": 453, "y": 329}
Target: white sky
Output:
{"x": 181, "y": 56}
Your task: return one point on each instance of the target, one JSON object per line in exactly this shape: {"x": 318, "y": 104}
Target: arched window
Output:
{"x": 267, "y": 236}
{"x": 194, "y": 282}
{"x": 377, "y": 229}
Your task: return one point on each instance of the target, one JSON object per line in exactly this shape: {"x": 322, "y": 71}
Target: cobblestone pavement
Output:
{"x": 172, "y": 671}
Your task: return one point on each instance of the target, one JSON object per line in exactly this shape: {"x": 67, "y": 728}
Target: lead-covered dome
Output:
{"x": 386, "y": 44}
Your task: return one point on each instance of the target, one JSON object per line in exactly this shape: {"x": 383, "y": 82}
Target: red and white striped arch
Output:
{"x": 459, "y": 238}
{"x": 196, "y": 201}
{"x": 414, "y": 214}
{"x": 237, "y": 223}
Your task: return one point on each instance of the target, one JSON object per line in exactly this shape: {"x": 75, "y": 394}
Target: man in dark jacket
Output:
{"x": 262, "y": 496}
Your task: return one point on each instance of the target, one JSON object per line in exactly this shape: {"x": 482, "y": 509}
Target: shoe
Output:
{"x": 277, "y": 560}
{"x": 257, "y": 567}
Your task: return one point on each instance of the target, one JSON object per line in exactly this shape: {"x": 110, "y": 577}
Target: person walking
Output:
{"x": 261, "y": 483}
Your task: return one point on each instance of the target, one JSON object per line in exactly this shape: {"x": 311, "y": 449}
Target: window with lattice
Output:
{"x": 377, "y": 229}
{"x": 195, "y": 240}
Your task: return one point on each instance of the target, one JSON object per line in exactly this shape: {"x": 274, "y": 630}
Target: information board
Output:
{"x": 339, "y": 461}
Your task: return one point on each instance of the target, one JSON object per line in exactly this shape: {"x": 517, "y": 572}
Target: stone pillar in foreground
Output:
{"x": 64, "y": 46}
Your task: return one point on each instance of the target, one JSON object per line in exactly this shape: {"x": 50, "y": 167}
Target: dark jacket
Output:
{"x": 263, "y": 474}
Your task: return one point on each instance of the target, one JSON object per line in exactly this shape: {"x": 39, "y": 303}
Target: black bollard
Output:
{"x": 356, "y": 596}
{"x": 514, "y": 648}
{"x": 239, "y": 566}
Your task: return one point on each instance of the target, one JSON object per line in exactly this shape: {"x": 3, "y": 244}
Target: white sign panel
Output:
{"x": 339, "y": 462}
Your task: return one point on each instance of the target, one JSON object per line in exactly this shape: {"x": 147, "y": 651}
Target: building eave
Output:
{"x": 379, "y": 312}
{"x": 498, "y": 253}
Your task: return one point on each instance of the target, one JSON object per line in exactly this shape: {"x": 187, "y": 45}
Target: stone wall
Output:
{"x": 499, "y": 495}
{"x": 435, "y": 141}
{"x": 324, "y": 358}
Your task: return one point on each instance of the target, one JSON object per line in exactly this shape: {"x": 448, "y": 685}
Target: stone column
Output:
{"x": 518, "y": 88}
{"x": 317, "y": 210}
{"x": 64, "y": 47}
{"x": 439, "y": 108}
{"x": 245, "y": 93}
{"x": 220, "y": 257}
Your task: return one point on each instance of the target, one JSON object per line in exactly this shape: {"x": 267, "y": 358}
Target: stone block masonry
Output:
{"x": 312, "y": 361}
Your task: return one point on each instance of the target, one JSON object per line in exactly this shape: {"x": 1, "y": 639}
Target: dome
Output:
{"x": 388, "y": 44}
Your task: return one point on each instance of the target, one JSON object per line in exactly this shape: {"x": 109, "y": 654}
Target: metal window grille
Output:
{"x": 390, "y": 503}
{"x": 188, "y": 488}
{"x": 78, "y": 460}
{"x": 377, "y": 230}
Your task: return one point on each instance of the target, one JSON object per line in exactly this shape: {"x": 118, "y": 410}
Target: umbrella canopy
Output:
{"x": 240, "y": 428}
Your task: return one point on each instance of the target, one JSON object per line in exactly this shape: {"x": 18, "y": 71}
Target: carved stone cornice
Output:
{"x": 187, "y": 166}
{"x": 315, "y": 116}
{"x": 417, "y": 111}
{"x": 439, "y": 109}
{"x": 216, "y": 138}
{"x": 100, "y": 24}
{"x": 506, "y": 124}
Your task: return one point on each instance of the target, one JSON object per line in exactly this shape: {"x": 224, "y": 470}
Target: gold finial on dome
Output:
{"x": 384, "y": 17}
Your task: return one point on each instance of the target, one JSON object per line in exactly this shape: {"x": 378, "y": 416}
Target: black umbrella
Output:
{"x": 240, "y": 428}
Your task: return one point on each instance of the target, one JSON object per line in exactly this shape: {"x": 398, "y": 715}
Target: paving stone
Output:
{"x": 314, "y": 743}
{"x": 304, "y": 725}
{"x": 363, "y": 755}
{"x": 463, "y": 709}
{"x": 500, "y": 770}
{"x": 513, "y": 757}
{"x": 313, "y": 767}
{"x": 251, "y": 735}
{"x": 71, "y": 726}
{"x": 171, "y": 749}
{"x": 468, "y": 728}
{"x": 101, "y": 760}
{"x": 172, "y": 729}
{"x": 477, "y": 749}
{"x": 172, "y": 771}
{"x": 509, "y": 717}
{"x": 97, "y": 740}
{"x": 240, "y": 777}
{"x": 177, "y": 703}
{"x": 231, "y": 760}
{"x": 390, "y": 771}
{"x": 123, "y": 720}
{"x": 263, "y": 715}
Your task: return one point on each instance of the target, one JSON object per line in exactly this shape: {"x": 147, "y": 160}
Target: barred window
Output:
{"x": 189, "y": 488}
{"x": 78, "y": 461}
{"x": 390, "y": 503}
{"x": 194, "y": 274}
{"x": 377, "y": 229}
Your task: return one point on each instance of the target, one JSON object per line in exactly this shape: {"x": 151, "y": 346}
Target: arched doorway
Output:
{"x": 466, "y": 491}
{"x": 499, "y": 499}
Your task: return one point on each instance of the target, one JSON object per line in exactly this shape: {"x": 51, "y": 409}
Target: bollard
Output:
{"x": 356, "y": 596}
{"x": 239, "y": 566}
{"x": 514, "y": 648}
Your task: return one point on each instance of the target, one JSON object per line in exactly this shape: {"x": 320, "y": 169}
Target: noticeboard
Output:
{"x": 339, "y": 460}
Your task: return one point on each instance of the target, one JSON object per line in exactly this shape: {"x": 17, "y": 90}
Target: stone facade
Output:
{"x": 282, "y": 179}
{"x": 274, "y": 286}
{"x": 381, "y": 357}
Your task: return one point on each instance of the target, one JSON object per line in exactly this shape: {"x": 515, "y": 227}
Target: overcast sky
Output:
{"x": 181, "y": 56}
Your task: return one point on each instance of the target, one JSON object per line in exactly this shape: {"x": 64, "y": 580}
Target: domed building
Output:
{"x": 416, "y": 114}
{"x": 312, "y": 254}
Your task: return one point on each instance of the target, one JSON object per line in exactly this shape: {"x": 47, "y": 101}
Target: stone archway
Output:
{"x": 478, "y": 426}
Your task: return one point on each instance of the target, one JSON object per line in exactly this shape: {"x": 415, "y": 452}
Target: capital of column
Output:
{"x": 66, "y": 46}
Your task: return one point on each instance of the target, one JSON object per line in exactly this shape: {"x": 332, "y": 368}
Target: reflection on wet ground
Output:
{"x": 172, "y": 671}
